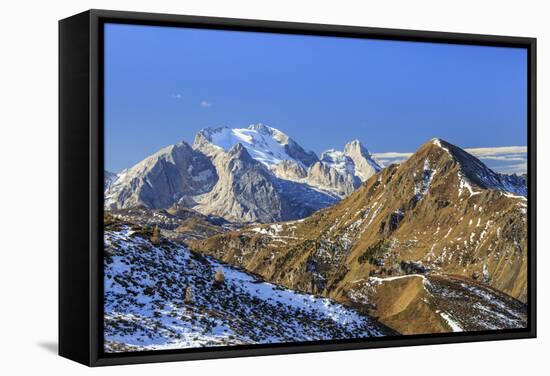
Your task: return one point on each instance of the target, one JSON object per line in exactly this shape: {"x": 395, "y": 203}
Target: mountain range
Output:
{"x": 253, "y": 174}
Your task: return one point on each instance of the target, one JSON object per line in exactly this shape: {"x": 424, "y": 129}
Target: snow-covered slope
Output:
{"x": 337, "y": 173}
{"x": 267, "y": 145}
{"x": 108, "y": 179}
{"x": 339, "y": 161}
{"x": 146, "y": 306}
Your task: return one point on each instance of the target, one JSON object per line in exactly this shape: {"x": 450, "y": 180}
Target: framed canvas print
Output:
{"x": 240, "y": 187}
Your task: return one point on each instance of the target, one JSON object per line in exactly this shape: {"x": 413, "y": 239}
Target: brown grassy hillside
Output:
{"x": 439, "y": 212}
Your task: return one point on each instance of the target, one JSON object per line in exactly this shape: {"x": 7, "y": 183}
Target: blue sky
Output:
{"x": 164, "y": 84}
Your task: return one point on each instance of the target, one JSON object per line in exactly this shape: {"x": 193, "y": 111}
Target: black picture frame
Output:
{"x": 81, "y": 185}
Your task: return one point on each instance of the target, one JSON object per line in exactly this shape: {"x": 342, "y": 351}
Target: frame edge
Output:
{"x": 94, "y": 173}
{"x": 74, "y": 282}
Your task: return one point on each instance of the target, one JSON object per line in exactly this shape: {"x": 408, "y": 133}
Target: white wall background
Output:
{"x": 28, "y": 188}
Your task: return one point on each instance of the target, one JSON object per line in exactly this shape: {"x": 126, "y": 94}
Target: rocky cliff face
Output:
{"x": 297, "y": 152}
{"x": 245, "y": 191}
{"x": 326, "y": 177}
{"x": 337, "y": 172}
{"x": 248, "y": 192}
{"x": 290, "y": 170}
{"x": 174, "y": 173}
{"x": 442, "y": 211}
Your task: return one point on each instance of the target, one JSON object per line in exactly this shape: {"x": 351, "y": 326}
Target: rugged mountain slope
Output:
{"x": 290, "y": 170}
{"x": 165, "y": 297}
{"x": 245, "y": 191}
{"x": 172, "y": 174}
{"x": 481, "y": 175}
{"x": 441, "y": 211}
{"x": 248, "y": 192}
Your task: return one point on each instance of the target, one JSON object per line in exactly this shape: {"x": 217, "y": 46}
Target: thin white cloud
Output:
{"x": 510, "y": 158}
{"x": 177, "y": 96}
{"x": 504, "y": 159}
{"x": 391, "y": 157}
{"x": 205, "y": 104}
{"x": 481, "y": 152}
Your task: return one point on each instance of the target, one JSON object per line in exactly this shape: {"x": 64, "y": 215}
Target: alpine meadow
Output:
{"x": 279, "y": 189}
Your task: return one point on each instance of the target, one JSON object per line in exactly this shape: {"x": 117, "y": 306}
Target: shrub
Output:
{"x": 188, "y": 295}
{"x": 374, "y": 254}
{"x": 149, "y": 291}
{"x": 219, "y": 277}
{"x": 155, "y": 238}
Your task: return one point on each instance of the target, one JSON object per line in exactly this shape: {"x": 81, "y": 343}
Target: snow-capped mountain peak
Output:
{"x": 265, "y": 144}
{"x": 269, "y": 131}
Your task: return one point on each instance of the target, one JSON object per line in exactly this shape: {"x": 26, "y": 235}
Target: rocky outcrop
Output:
{"x": 326, "y": 177}
{"x": 177, "y": 222}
